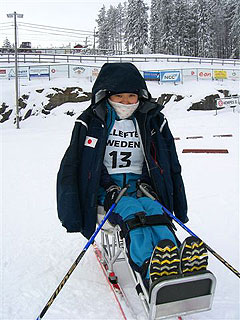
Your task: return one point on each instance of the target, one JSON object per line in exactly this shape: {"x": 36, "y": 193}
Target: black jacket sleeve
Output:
{"x": 68, "y": 205}
{"x": 179, "y": 196}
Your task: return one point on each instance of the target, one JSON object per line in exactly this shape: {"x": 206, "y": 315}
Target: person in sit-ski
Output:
{"x": 123, "y": 138}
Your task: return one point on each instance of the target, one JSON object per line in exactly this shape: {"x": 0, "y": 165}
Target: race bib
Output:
{"x": 123, "y": 151}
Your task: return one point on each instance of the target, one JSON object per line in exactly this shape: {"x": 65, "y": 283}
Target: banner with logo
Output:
{"x": 230, "y": 102}
{"x": 59, "y": 71}
{"x": 151, "y": 75}
{"x": 38, "y": 72}
{"x": 170, "y": 76}
{"x": 95, "y": 72}
{"x": 3, "y": 73}
{"x": 79, "y": 72}
{"x": 233, "y": 74}
{"x": 22, "y": 72}
{"x": 220, "y": 74}
{"x": 189, "y": 74}
{"x": 205, "y": 74}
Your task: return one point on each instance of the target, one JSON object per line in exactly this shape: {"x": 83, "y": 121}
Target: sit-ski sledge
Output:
{"x": 171, "y": 296}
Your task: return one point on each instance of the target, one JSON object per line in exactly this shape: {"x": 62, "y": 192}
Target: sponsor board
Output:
{"x": 38, "y": 72}
{"x": 170, "y": 76}
{"x": 228, "y": 102}
{"x": 204, "y": 74}
{"x": 95, "y": 72}
{"x": 59, "y": 71}
{"x": 151, "y": 75}
{"x": 220, "y": 74}
{"x": 22, "y": 72}
{"x": 233, "y": 74}
{"x": 78, "y": 72}
{"x": 189, "y": 74}
{"x": 163, "y": 76}
{"x": 3, "y": 73}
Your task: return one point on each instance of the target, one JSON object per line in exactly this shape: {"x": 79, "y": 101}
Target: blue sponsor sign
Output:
{"x": 151, "y": 75}
{"x": 170, "y": 76}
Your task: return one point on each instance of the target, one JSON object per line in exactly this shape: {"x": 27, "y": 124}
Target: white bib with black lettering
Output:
{"x": 123, "y": 151}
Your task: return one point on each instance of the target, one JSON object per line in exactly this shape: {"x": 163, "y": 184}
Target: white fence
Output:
{"x": 74, "y": 58}
{"x": 53, "y": 71}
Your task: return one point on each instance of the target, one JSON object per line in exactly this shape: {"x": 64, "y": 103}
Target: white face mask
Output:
{"x": 124, "y": 111}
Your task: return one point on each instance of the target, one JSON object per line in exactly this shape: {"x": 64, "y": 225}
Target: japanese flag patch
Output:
{"x": 90, "y": 142}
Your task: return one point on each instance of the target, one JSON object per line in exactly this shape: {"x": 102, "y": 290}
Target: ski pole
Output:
{"x": 76, "y": 262}
{"x": 237, "y": 273}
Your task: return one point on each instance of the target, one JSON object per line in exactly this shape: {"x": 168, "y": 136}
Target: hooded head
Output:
{"x": 117, "y": 78}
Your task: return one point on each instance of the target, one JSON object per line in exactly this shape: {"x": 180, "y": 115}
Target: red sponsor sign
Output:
{"x": 3, "y": 71}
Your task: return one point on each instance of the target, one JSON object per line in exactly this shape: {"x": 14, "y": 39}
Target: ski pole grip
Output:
{"x": 149, "y": 195}
{"x": 121, "y": 193}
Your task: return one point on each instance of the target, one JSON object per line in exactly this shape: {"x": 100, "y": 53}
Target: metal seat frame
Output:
{"x": 114, "y": 250}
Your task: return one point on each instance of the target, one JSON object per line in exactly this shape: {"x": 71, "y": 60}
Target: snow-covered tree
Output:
{"x": 103, "y": 31}
{"x": 181, "y": 27}
{"x": 136, "y": 33}
{"x": 234, "y": 28}
{"x": 121, "y": 20}
{"x": 112, "y": 28}
{"x": 207, "y": 28}
{"x": 154, "y": 41}
{"x": 7, "y": 44}
{"x": 204, "y": 30}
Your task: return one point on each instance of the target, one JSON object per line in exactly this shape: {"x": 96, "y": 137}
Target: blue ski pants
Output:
{"x": 142, "y": 240}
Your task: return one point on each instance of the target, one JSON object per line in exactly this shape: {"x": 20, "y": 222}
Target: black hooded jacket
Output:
{"x": 80, "y": 170}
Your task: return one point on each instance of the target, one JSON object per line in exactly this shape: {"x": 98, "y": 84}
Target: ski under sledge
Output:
{"x": 170, "y": 298}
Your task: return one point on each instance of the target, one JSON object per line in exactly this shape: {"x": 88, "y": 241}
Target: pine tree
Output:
{"x": 112, "y": 28}
{"x": 121, "y": 19}
{"x": 154, "y": 27}
{"x": 205, "y": 32}
{"x": 181, "y": 27}
{"x": 234, "y": 29}
{"x": 136, "y": 33}
{"x": 191, "y": 17}
{"x": 7, "y": 44}
{"x": 218, "y": 16}
{"x": 103, "y": 34}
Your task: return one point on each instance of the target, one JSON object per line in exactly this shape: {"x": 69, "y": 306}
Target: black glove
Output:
{"x": 184, "y": 220}
{"x": 111, "y": 196}
{"x": 148, "y": 188}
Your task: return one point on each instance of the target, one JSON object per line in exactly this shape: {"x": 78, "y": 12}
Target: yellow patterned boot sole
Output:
{"x": 193, "y": 255}
{"x": 164, "y": 261}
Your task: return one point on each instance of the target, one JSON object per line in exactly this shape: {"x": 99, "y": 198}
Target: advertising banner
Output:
{"x": 39, "y": 72}
{"x": 189, "y": 74}
{"x": 95, "y": 72}
{"x": 22, "y": 72}
{"x": 204, "y": 74}
{"x": 170, "y": 76}
{"x": 233, "y": 75}
{"x": 220, "y": 74}
{"x": 79, "y": 72}
{"x": 230, "y": 102}
{"x": 151, "y": 75}
{"x": 60, "y": 71}
{"x": 3, "y": 73}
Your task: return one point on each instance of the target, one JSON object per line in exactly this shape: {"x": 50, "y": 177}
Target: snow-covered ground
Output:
{"x": 36, "y": 250}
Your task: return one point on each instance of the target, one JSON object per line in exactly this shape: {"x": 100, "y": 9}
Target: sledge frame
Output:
{"x": 114, "y": 250}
